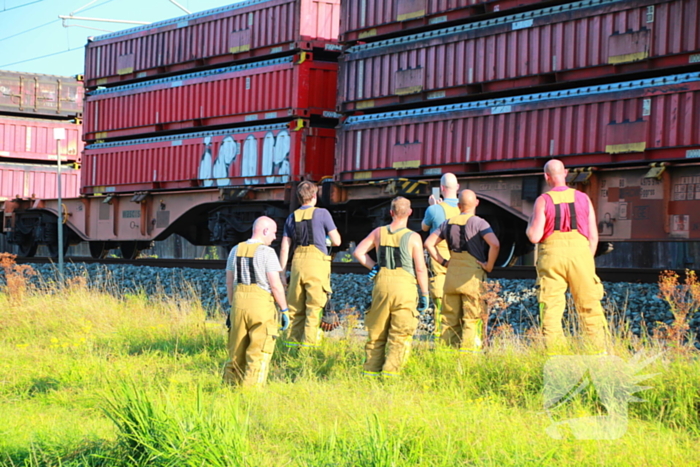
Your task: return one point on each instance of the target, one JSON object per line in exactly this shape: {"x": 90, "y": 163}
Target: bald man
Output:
{"x": 253, "y": 285}
{"x": 393, "y": 317}
{"x": 563, "y": 225}
{"x": 473, "y": 251}
{"x": 437, "y": 213}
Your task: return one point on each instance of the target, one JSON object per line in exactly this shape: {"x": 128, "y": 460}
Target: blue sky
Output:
{"x": 31, "y": 28}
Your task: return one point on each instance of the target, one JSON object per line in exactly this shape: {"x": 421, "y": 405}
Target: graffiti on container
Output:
{"x": 216, "y": 168}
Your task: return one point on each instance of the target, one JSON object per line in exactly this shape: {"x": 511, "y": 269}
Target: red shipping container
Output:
{"x": 370, "y": 19}
{"x": 259, "y": 155}
{"x": 36, "y": 181}
{"x": 274, "y": 89}
{"x": 655, "y": 119}
{"x": 33, "y": 139}
{"x": 36, "y": 94}
{"x": 571, "y": 42}
{"x": 240, "y": 31}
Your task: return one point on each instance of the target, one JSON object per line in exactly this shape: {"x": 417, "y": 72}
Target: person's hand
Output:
{"x": 484, "y": 266}
{"x": 433, "y": 200}
{"x": 283, "y": 278}
{"x": 284, "y": 319}
{"x": 423, "y": 302}
{"x": 373, "y": 272}
{"x": 228, "y": 321}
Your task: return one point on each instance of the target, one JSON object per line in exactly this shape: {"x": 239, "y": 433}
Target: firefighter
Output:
{"x": 563, "y": 225}
{"x": 393, "y": 316}
{"x": 473, "y": 251}
{"x": 253, "y": 285}
{"x": 437, "y": 213}
{"x": 305, "y": 232}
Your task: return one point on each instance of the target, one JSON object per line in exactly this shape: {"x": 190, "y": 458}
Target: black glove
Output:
{"x": 329, "y": 320}
{"x": 228, "y": 321}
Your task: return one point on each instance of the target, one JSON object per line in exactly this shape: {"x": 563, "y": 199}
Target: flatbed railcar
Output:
{"x": 278, "y": 89}
{"x": 556, "y": 46}
{"x": 248, "y": 30}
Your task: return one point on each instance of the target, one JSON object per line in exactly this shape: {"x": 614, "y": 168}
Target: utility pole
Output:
{"x": 59, "y": 134}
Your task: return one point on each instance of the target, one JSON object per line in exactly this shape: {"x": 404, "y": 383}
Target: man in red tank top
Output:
{"x": 563, "y": 225}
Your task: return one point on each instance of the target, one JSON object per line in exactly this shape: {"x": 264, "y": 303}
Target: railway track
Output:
{"x": 515, "y": 272}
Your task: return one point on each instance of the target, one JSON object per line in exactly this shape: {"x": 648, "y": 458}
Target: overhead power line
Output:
{"x": 30, "y": 30}
{"x": 20, "y": 6}
{"x": 43, "y": 56}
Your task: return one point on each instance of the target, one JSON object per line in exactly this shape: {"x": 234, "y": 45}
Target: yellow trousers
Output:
{"x": 307, "y": 294}
{"x": 462, "y": 327}
{"x": 565, "y": 260}
{"x": 391, "y": 322}
{"x": 251, "y": 340}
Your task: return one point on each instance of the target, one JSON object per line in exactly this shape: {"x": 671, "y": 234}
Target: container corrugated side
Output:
{"x": 367, "y": 20}
{"x": 272, "y": 90}
{"x": 647, "y": 120}
{"x": 33, "y": 139}
{"x": 36, "y": 181}
{"x": 223, "y": 35}
{"x": 577, "y": 41}
{"x": 250, "y": 156}
{"x": 37, "y": 94}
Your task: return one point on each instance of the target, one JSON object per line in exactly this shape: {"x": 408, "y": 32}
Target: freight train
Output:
{"x": 199, "y": 141}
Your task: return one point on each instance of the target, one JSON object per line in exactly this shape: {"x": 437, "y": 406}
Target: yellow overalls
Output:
{"x": 565, "y": 259}
{"x": 437, "y": 281}
{"x": 462, "y": 327}
{"x": 392, "y": 319}
{"x": 254, "y": 328}
{"x": 309, "y": 285}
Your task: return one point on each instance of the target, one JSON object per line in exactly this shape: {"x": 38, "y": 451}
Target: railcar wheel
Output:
{"x": 98, "y": 250}
{"x": 129, "y": 250}
{"x": 53, "y": 248}
{"x": 27, "y": 248}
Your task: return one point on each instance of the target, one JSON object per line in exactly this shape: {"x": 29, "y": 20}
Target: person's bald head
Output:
{"x": 449, "y": 185}
{"x": 467, "y": 201}
{"x": 400, "y": 207}
{"x": 264, "y": 229}
{"x": 555, "y": 172}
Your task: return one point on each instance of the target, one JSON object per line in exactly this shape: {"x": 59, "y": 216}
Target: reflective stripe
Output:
{"x": 371, "y": 373}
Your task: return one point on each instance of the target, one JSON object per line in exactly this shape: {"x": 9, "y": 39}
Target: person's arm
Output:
{"x": 535, "y": 227}
{"x": 273, "y": 278}
{"x": 419, "y": 263}
{"x": 285, "y": 246}
{"x": 364, "y": 247}
{"x": 592, "y": 228}
{"x": 428, "y": 218}
{"x": 334, "y": 235}
{"x": 432, "y": 240}
{"x": 494, "y": 247}
{"x": 229, "y": 287}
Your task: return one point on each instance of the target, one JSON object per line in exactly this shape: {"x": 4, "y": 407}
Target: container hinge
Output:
{"x": 655, "y": 170}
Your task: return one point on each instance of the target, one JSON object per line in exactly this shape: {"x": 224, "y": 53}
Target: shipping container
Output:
{"x": 35, "y": 181}
{"x": 635, "y": 121}
{"x": 367, "y": 20}
{"x": 259, "y": 155}
{"x": 33, "y": 139}
{"x": 271, "y": 90}
{"x": 578, "y": 41}
{"x": 36, "y": 94}
{"x": 241, "y": 31}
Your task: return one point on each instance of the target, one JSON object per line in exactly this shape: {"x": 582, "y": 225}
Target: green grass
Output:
{"x": 90, "y": 380}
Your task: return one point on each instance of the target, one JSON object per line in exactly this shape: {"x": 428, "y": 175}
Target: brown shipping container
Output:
{"x": 33, "y": 139}
{"x": 240, "y": 31}
{"x": 371, "y": 19}
{"x": 36, "y": 181}
{"x": 583, "y": 40}
{"x": 645, "y": 120}
{"x": 260, "y": 155}
{"x": 35, "y": 94}
{"x": 274, "y": 89}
